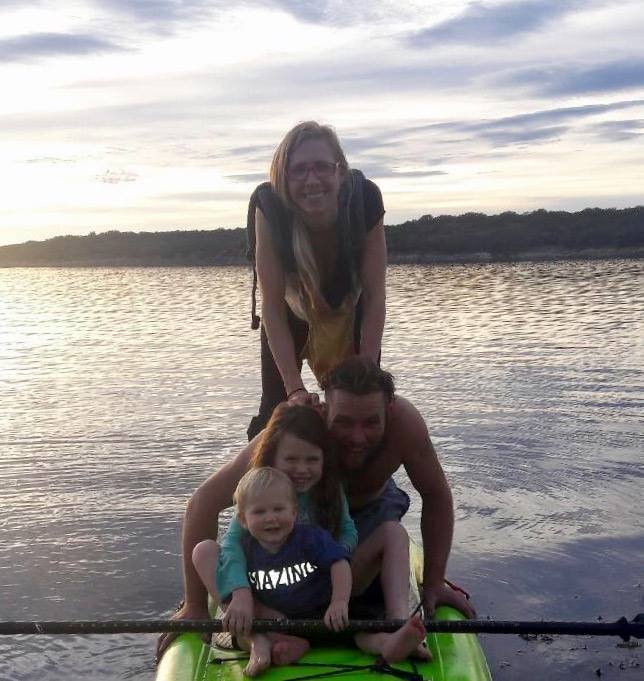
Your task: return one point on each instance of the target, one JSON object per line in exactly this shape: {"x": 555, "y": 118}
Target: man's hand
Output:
{"x": 336, "y": 616}
{"x": 238, "y": 619}
{"x": 442, "y": 594}
{"x": 185, "y": 612}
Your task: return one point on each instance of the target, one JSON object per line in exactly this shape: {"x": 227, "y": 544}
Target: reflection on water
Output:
{"x": 123, "y": 389}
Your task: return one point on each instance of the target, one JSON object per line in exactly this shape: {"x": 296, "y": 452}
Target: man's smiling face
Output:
{"x": 357, "y": 424}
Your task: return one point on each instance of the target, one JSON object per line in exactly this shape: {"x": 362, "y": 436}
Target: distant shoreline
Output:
{"x": 590, "y": 234}
{"x": 543, "y": 255}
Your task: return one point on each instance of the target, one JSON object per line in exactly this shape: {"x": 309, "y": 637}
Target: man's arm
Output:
{"x": 437, "y": 515}
{"x": 201, "y": 519}
{"x": 201, "y": 522}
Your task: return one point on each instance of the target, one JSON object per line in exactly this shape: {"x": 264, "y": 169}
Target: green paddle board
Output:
{"x": 455, "y": 657}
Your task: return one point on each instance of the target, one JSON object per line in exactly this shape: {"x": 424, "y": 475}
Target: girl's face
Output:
{"x": 314, "y": 179}
{"x": 300, "y": 460}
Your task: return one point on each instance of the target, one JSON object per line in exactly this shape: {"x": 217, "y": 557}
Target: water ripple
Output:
{"x": 122, "y": 389}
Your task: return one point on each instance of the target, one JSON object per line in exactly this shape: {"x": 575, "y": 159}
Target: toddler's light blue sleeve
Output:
{"x": 231, "y": 571}
{"x": 348, "y": 535}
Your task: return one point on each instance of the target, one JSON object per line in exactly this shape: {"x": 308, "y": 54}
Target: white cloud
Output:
{"x": 116, "y": 176}
{"x": 156, "y": 113}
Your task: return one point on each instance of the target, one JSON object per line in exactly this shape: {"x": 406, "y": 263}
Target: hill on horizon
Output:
{"x": 427, "y": 238}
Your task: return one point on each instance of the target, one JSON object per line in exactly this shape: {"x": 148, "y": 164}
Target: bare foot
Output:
{"x": 421, "y": 652}
{"x": 287, "y": 649}
{"x": 405, "y": 642}
{"x": 260, "y": 655}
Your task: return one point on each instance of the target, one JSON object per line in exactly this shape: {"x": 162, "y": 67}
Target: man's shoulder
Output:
{"x": 404, "y": 418}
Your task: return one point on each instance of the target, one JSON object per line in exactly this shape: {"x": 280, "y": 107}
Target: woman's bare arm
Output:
{"x": 201, "y": 522}
{"x": 373, "y": 277}
{"x": 271, "y": 282}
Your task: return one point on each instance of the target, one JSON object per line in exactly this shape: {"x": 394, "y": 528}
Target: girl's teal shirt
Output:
{"x": 231, "y": 567}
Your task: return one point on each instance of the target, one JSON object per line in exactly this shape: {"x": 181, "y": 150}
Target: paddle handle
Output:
{"x": 622, "y": 627}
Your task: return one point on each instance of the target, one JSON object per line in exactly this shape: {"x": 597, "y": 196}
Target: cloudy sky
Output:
{"x": 163, "y": 114}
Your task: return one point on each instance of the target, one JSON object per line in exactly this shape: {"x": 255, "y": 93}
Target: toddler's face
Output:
{"x": 269, "y": 516}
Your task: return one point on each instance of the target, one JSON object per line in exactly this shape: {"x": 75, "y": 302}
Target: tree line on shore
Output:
{"x": 470, "y": 236}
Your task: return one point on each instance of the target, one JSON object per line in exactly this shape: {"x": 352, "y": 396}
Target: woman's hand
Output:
{"x": 238, "y": 619}
{"x": 304, "y": 397}
{"x": 336, "y": 616}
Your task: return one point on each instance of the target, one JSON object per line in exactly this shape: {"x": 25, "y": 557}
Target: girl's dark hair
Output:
{"x": 307, "y": 424}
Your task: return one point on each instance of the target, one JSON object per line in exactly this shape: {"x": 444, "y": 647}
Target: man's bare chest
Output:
{"x": 367, "y": 483}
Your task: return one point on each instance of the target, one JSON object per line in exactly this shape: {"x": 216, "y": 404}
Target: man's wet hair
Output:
{"x": 359, "y": 376}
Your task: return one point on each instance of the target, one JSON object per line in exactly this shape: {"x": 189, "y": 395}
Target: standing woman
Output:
{"x": 320, "y": 258}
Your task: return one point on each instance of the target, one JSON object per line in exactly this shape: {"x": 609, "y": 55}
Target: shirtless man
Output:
{"x": 376, "y": 432}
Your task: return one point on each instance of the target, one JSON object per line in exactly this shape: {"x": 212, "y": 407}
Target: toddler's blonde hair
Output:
{"x": 258, "y": 480}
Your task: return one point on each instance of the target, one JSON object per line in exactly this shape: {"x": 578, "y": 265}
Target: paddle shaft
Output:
{"x": 621, "y": 627}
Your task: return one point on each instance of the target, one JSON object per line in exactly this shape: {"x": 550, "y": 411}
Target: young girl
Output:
{"x": 295, "y": 442}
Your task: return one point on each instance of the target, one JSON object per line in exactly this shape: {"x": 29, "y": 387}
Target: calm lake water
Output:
{"x": 122, "y": 389}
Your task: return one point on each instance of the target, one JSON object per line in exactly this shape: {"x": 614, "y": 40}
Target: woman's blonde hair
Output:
{"x": 307, "y": 269}
{"x": 258, "y": 480}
